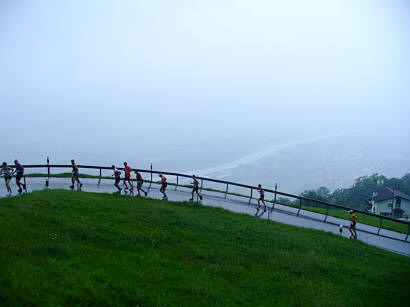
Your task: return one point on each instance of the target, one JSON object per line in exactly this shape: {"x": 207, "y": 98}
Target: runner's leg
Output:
{"x": 19, "y": 184}
{"x": 8, "y": 185}
{"x": 78, "y": 180}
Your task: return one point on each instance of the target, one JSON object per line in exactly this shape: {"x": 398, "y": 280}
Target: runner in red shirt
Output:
{"x": 163, "y": 186}
{"x": 140, "y": 182}
{"x": 127, "y": 178}
{"x": 261, "y": 198}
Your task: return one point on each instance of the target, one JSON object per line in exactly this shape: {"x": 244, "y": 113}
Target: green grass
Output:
{"x": 361, "y": 218}
{"x": 76, "y": 248}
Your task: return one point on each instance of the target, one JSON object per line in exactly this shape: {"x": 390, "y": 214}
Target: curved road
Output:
{"x": 282, "y": 214}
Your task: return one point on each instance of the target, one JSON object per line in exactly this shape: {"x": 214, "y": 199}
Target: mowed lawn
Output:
{"x": 77, "y": 248}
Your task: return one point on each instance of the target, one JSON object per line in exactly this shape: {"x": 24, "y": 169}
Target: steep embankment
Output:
{"x": 63, "y": 247}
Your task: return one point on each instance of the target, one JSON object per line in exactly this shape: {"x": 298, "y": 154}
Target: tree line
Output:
{"x": 356, "y": 195}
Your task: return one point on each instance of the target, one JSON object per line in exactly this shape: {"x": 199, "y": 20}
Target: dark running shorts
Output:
{"x": 262, "y": 197}
{"x": 164, "y": 185}
{"x": 7, "y": 178}
{"x": 19, "y": 176}
{"x": 353, "y": 224}
{"x": 75, "y": 174}
{"x": 117, "y": 180}
{"x": 196, "y": 189}
{"x": 140, "y": 183}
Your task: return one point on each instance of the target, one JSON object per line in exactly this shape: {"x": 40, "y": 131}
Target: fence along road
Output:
{"x": 243, "y": 203}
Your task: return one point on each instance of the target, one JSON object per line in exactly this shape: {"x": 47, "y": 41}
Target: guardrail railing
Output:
{"x": 324, "y": 205}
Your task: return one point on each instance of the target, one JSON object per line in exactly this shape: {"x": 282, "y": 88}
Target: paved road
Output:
{"x": 282, "y": 214}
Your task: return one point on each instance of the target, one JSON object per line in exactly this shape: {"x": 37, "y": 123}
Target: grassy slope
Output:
{"x": 64, "y": 247}
{"x": 362, "y": 218}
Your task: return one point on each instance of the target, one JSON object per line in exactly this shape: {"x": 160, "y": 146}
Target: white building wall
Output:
{"x": 405, "y": 205}
{"x": 383, "y": 206}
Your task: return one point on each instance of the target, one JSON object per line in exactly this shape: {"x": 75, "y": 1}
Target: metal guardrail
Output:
{"x": 226, "y": 192}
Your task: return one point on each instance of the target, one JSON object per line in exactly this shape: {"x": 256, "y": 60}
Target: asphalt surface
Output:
{"x": 279, "y": 213}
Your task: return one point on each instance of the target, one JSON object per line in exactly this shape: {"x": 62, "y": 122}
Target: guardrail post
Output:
{"x": 250, "y": 197}
{"x": 99, "y": 179}
{"x": 300, "y": 205}
{"x": 48, "y": 172}
{"x": 202, "y": 184}
{"x": 327, "y": 214}
{"x": 226, "y": 192}
{"x": 274, "y": 202}
{"x": 380, "y": 226}
{"x": 177, "y": 184}
{"x": 150, "y": 180}
{"x": 25, "y": 185}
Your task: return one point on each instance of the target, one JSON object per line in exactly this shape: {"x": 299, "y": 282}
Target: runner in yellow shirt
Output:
{"x": 352, "y": 227}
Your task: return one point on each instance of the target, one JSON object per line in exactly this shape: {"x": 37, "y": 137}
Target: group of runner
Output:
{"x": 127, "y": 179}
{"x": 8, "y": 172}
{"x": 127, "y": 182}
{"x": 163, "y": 181}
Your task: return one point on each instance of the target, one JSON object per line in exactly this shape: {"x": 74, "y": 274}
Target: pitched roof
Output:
{"x": 384, "y": 193}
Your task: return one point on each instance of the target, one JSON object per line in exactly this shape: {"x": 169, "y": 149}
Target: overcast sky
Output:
{"x": 92, "y": 78}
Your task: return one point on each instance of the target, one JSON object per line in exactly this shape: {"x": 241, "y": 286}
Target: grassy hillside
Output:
{"x": 362, "y": 218}
{"x": 70, "y": 248}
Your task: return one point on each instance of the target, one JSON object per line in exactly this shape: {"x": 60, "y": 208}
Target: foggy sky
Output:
{"x": 98, "y": 79}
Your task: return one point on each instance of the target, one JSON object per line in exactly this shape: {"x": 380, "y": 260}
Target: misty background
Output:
{"x": 299, "y": 93}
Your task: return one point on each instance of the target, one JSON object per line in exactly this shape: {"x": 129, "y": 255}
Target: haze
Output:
{"x": 303, "y": 93}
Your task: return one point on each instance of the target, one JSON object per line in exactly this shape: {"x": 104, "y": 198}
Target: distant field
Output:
{"x": 361, "y": 218}
{"x": 76, "y": 248}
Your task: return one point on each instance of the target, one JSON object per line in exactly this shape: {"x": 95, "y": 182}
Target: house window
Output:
{"x": 390, "y": 205}
{"x": 398, "y": 202}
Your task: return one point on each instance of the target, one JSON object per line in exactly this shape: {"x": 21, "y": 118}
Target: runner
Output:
{"x": 163, "y": 186}
{"x": 7, "y": 171}
{"x": 195, "y": 188}
{"x": 117, "y": 175}
{"x": 75, "y": 174}
{"x": 352, "y": 227}
{"x": 261, "y": 198}
{"x": 20, "y": 171}
{"x": 127, "y": 177}
{"x": 140, "y": 182}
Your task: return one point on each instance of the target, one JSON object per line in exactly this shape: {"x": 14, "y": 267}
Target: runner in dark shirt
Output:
{"x": 74, "y": 175}
{"x": 19, "y": 174}
{"x": 117, "y": 175}
{"x": 195, "y": 188}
